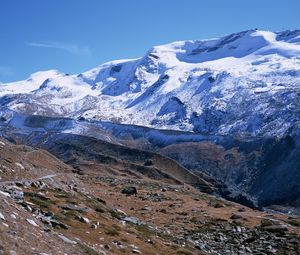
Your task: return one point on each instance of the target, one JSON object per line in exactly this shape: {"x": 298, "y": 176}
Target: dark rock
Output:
{"x": 280, "y": 229}
{"x": 250, "y": 239}
{"x": 49, "y": 214}
{"x": 218, "y": 205}
{"x": 266, "y": 223}
{"x": 129, "y": 191}
{"x": 163, "y": 210}
{"x": 57, "y": 224}
{"x": 71, "y": 207}
{"x": 148, "y": 162}
{"x": 236, "y": 216}
{"x": 133, "y": 220}
{"x": 101, "y": 200}
{"x": 99, "y": 209}
{"x": 107, "y": 247}
{"x": 83, "y": 219}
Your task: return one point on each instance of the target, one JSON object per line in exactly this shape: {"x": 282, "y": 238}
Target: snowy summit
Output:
{"x": 243, "y": 83}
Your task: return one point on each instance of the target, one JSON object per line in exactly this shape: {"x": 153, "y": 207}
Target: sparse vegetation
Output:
{"x": 66, "y": 215}
{"x": 38, "y": 200}
{"x": 95, "y": 204}
{"x": 115, "y": 214}
{"x": 294, "y": 222}
{"x": 144, "y": 230}
{"x": 72, "y": 200}
{"x": 114, "y": 230}
{"x": 61, "y": 194}
{"x": 183, "y": 252}
{"x": 88, "y": 250}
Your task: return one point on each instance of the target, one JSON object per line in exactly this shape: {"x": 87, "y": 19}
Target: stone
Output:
{"x": 218, "y": 205}
{"x": 57, "y": 224}
{"x": 236, "y": 216}
{"x": 67, "y": 240}
{"x": 17, "y": 194}
{"x": 133, "y": 220}
{"x": 77, "y": 208}
{"x": 2, "y": 216}
{"x": 83, "y": 219}
{"x": 107, "y": 247}
{"x": 149, "y": 241}
{"x": 118, "y": 244}
{"x": 94, "y": 226}
{"x": 279, "y": 229}
{"x": 101, "y": 200}
{"x": 32, "y": 222}
{"x": 266, "y": 223}
{"x": 5, "y": 194}
{"x": 131, "y": 190}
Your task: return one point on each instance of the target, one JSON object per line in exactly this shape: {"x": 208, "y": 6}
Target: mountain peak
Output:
{"x": 224, "y": 86}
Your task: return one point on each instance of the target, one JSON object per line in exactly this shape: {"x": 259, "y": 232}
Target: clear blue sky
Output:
{"x": 76, "y": 35}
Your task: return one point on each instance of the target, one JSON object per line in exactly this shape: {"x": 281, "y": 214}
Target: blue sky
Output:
{"x": 76, "y": 35}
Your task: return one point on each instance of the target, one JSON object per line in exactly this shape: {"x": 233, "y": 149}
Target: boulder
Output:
{"x": 131, "y": 190}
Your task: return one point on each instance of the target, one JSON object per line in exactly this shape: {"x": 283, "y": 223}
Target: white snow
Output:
{"x": 29, "y": 85}
{"x": 219, "y": 83}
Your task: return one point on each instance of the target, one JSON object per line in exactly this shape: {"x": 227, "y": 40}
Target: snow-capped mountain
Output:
{"x": 244, "y": 83}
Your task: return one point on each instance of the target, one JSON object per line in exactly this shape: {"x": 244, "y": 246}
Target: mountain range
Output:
{"x": 241, "y": 84}
{"x": 226, "y": 109}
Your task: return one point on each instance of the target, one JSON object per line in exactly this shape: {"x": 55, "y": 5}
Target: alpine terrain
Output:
{"x": 193, "y": 148}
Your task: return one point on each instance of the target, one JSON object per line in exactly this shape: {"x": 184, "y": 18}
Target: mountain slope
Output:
{"x": 244, "y": 83}
{"x": 237, "y": 96}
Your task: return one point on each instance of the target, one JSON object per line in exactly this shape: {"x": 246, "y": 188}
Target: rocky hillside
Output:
{"x": 58, "y": 209}
{"x": 256, "y": 172}
{"x": 138, "y": 156}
